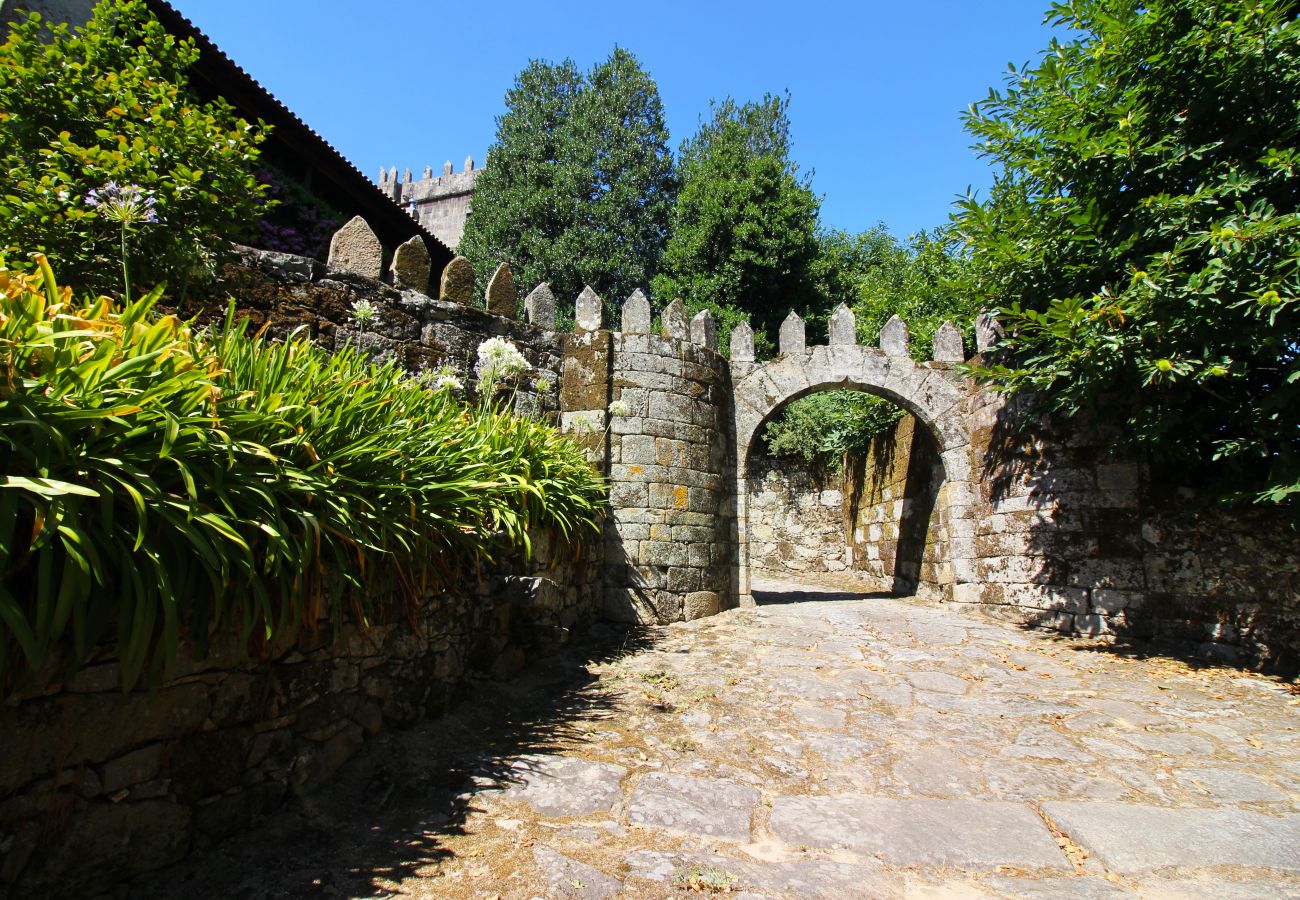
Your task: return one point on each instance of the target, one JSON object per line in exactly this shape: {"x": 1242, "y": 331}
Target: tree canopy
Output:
{"x": 579, "y": 181}
{"x": 1142, "y": 235}
{"x": 743, "y": 235}
{"x": 91, "y": 123}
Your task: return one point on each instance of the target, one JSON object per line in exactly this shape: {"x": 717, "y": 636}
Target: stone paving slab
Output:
{"x": 567, "y": 877}
{"x": 969, "y": 834}
{"x": 566, "y": 786}
{"x": 841, "y": 748}
{"x": 704, "y": 806}
{"x": 1130, "y": 838}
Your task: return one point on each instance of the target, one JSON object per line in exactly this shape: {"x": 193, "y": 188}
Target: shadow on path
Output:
{"x": 806, "y": 594}
{"x": 390, "y": 810}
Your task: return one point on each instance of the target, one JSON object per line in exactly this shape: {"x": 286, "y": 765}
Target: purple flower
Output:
{"x": 126, "y": 205}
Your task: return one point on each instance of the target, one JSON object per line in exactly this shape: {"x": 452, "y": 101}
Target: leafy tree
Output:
{"x": 744, "y": 225}
{"x": 109, "y": 105}
{"x": 579, "y": 183}
{"x": 1143, "y": 234}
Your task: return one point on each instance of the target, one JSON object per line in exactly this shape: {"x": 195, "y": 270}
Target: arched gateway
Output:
{"x": 933, "y": 391}
{"x": 672, "y": 422}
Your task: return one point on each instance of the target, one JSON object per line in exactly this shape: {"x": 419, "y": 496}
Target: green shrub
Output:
{"x": 820, "y": 428}
{"x": 170, "y": 483}
{"x": 1142, "y": 235}
{"x": 110, "y": 105}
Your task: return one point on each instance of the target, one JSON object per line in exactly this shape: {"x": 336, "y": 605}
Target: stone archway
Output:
{"x": 933, "y": 391}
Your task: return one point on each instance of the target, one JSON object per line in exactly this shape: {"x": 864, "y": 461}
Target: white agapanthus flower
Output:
{"x": 498, "y": 361}
{"x": 619, "y": 408}
{"x": 363, "y": 313}
{"x": 445, "y": 379}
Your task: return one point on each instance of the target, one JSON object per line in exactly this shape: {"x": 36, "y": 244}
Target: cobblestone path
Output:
{"x": 835, "y": 746}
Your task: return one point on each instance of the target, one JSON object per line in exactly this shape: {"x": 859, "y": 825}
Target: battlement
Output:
{"x": 440, "y": 203}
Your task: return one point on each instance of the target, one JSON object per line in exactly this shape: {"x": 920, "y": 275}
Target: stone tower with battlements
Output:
{"x": 440, "y": 203}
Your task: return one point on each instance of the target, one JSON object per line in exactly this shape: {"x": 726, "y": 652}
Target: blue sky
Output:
{"x": 877, "y": 88}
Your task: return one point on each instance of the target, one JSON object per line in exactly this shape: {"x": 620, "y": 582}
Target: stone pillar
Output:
{"x": 669, "y": 547}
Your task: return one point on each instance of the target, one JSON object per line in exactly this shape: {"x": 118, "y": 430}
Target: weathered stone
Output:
{"x": 636, "y": 314}
{"x": 457, "y": 284}
{"x": 791, "y": 339}
{"x": 501, "y": 298}
{"x": 894, "y": 337}
{"x": 843, "y": 327}
{"x": 948, "y": 346}
{"x": 569, "y": 878}
{"x": 539, "y": 307}
{"x": 703, "y": 806}
{"x": 699, "y": 604}
{"x": 566, "y": 786}
{"x": 132, "y": 768}
{"x": 704, "y": 331}
{"x": 1130, "y": 838}
{"x": 355, "y": 248}
{"x": 970, "y": 834}
{"x": 411, "y": 266}
{"x": 674, "y": 321}
{"x": 589, "y": 311}
{"x": 742, "y": 343}
{"x": 1229, "y": 786}
{"x": 988, "y": 331}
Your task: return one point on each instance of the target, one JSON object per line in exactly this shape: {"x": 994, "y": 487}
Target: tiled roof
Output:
{"x": 217, "y": 74}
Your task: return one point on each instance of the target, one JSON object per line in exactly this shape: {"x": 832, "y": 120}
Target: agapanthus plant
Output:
{"x": 127, "y": 206}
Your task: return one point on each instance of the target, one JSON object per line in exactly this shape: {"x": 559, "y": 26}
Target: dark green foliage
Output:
{"x": 820, "y": 428}
{"x": 1143, "y": 233}
{"x": 879, "y": 276}
{"x": 110, "y": 105}
{"x": 579, "y": 183}
{"x": 744, "y": 225}
{"x": 166, "y": 484}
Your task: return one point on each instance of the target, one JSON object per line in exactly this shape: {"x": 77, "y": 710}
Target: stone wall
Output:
{"x": 283, "y": 293}
{"x": 1075, "y": 537}
{"x": 101, "y": 786}
{"x": 670, "y": 544}
{"x": 796, "y": 518}
{"x": 892, "y": 494}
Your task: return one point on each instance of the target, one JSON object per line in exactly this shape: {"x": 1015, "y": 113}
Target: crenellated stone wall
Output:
{"x": 978, "y": 503}
{"x": 652, "y": 408}
{"x": 441, "y": 203}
